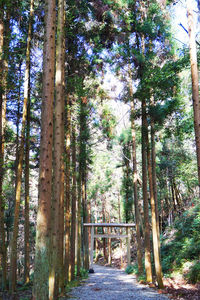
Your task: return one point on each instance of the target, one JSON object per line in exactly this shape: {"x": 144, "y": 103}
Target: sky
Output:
{"x": 178, "y": 15}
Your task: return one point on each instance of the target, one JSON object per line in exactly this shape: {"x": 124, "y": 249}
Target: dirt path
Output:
{"x": 112, "y": 284}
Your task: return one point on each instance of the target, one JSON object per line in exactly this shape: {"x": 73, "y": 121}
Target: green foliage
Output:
{"x": 84, "y": 273}
{"x": 131, "y": 269}
{"x": 183, "y": 245}
{"x": 194, "y": 272}
{"x": 127, "y": 180}
{"x": 108, "y": 123}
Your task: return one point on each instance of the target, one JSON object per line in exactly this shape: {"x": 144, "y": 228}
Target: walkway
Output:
{"x": 112, "y": 284}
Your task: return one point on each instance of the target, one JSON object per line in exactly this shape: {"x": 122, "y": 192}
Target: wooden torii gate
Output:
{"x": 105, "y": 235}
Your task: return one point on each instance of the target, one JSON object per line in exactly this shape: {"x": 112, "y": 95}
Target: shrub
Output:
{"x": 181, "y": 244}
{"x": 131, "y": 269}
{"x": 194, "y": 273}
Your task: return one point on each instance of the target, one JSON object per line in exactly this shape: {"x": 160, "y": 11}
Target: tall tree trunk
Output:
{"x": 135, "y": 179}
{"x": 195, "y": 82}
{"x": 61, "y": 223}
{"x": 3, "y": 252}
{"x": 17, "y": 125}
{"x": 58, "y": 149}
{"x": 85, "y": 220}
{"x": 73, "y": 219}
{"x": 83, "y": 166}
{"x": 79, "y": 224}
{"x": 13, "y": 261}
{"x": 41, "y": 273}
{"x": 26, "y": 225}
{"x": 104, "y": 221}
{"x": 120, "y": 230}
{"x": 153, "y": 165}
{"x": 60, "y": 94}
{"x": 153, "y": 215}
{"x": 67, "y": 181}
{"x": 145, "y": 196}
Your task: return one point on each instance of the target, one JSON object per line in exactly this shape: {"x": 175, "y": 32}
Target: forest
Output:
{"x": 99, "y": 123}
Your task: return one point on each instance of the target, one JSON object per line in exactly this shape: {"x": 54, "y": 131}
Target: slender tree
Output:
{"x": 67, "y": 184}
{"x": 3, "y": 256}
{"x": 195, "y": 83}
{"x": 26, "y": 225}
{"x": 74, "y": 199}
{"x": 135, "y": 179}
{"x": 153, "y": 215}
{"x": 13, "y": 268}
{"x": 147, "y": 246}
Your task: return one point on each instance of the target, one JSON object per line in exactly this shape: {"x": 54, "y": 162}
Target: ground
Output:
{"x": 113, "y": 284}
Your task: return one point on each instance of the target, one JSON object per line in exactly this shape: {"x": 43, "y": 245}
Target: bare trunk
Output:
{"x": 153, "y": 217}
{"x": 195, "y": 83}
{"x": 42, "y": 281}
{"x": 85, "y": 220}
{"x": 73, "y": 219}
{"x": 145, "y": 196}
{"x": 153, "y": 165}
{"x": 3, "y": 252}
{"x": 58, "y": 141}
{"x": 26, "y": 229}
{"x": 135, "y": 179}
{"x": 26, "y": 224}
{"x": 67, "y": 180}
{"x": 79, "y": 226}
{"x": 104, "y": 221}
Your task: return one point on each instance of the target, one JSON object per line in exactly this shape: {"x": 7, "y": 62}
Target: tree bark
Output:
{"x": 153, "y": 165}
{"x": 67, "y": 182}
{"x": 3, "y": 252}
{"x": 26, "y": 225}
{"x": 135, "y": 179}
{"x": 58, "y": 146}
{"x": 195, "y": 83}
{"x": 153, "y": 215}
{"x": 145, "y": 196}
{"x": 41, "y": 273}
{"x": 74, "y": 198}
{"x": 79, "y": 224}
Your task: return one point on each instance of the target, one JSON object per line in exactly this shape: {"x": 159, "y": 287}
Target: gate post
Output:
{"x": 128, "y": 247}
{"x": 91, "y": 247}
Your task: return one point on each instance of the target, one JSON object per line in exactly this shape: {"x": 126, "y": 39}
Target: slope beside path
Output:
{"x": 112, "y": 284}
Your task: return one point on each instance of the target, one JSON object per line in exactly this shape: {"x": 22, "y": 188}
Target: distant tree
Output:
{"x": 127, "y": 182}
{"x": 13, "y": 267}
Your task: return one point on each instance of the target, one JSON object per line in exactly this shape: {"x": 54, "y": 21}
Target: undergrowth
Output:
{"x": 133, "y": 269}
{"x": 181, "y": 246}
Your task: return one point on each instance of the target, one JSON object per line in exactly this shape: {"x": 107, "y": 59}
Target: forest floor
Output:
{"x": 113, "y": 284}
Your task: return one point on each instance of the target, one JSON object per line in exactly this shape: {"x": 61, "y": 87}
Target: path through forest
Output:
{"x": 113, "y": 284}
